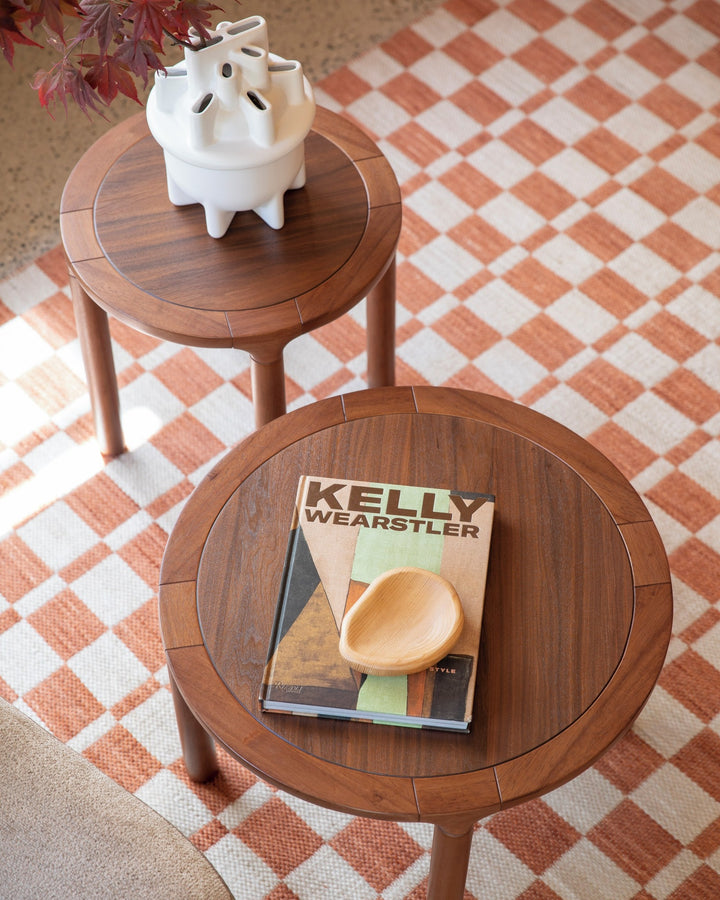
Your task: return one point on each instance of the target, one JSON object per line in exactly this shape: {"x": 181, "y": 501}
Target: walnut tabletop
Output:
{"x": 577, "y": 617}
{"x": 135, "y": 256}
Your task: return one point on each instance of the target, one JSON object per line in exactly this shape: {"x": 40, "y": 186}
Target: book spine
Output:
{"x": 279, "y": 607}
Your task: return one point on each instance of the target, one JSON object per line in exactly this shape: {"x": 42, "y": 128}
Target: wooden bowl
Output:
{"x": 406, "y": 620}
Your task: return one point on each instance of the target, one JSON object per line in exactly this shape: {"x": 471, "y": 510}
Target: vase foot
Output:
{"x": 272, "y": 212}
{"x": 217, "y": 220}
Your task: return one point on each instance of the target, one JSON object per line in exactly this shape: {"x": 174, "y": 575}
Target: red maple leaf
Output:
{"x": 45, "y": 83}
{"x": 64, "y": 80}
{"x": 149, "y": 18}
{"x": 82, "y": 92}
{"x": 52, "y": 13}
{"x": 187, "y": 14}
{"x": 102, "y": 21}
{"x": 11, "y": 18}
{"x": 109, "y": 76}
{"x": 140, "y": 57}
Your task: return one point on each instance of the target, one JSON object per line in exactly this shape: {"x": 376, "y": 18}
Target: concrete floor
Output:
{"x": 38, "y": 152}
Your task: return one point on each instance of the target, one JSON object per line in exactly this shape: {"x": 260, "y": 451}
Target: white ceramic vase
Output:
{"x": 232, "y": 119}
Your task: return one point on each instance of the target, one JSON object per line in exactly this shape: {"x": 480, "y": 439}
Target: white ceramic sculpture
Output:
{"x": 232, "y": 121}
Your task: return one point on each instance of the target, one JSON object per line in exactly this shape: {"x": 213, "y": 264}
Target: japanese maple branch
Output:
{"x": 130, "y": 35}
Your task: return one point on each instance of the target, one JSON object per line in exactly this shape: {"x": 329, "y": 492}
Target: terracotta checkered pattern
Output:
{"x": 560, "y": 168}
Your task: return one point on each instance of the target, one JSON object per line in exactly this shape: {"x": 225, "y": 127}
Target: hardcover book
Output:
{"x": 343, "y": 535}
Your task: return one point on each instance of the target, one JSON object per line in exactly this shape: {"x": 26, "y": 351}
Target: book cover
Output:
{"x": 344, "y": 534}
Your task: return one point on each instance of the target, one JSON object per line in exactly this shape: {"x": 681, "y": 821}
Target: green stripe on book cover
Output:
{"x": 383, "y": 695}
{"x": 377, "y": 551}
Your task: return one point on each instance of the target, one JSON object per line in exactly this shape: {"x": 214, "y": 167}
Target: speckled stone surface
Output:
{"x": 38, "y": 152}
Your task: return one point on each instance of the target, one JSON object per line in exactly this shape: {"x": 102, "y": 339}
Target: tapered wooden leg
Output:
{"x": 197, "y": 745}
{"x": 94, "y": 335}
{"x": 268, "y": 388}
{"x": 448, "y": 864}
{"x": 381, "y": 331}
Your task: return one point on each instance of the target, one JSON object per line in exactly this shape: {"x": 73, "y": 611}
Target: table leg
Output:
{"x": 197, "y": 745}
{"x": 449, "y": 863}
{"x": 94, "y": 335}
{"x": 381, "y": 331}
{"x": 268, "y": 388}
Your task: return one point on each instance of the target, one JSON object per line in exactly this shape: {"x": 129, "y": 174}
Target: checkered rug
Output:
{"x": 560, "y": 168}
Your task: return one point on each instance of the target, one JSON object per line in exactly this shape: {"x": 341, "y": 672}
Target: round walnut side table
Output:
{"x": 578, "y": 609}
{"x": 135, "y": 256}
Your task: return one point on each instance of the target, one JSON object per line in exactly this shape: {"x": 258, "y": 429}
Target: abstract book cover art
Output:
{"x": 344, "y": 534}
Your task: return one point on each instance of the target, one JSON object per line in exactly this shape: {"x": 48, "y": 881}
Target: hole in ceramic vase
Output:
{"x": 227, "y": 70}
{"x": 199, "y": 44}
{"x": 203, "y": 104}
{"x": 283, "y": 67}
{"x": 255, "y": 100}
{"x": 244, "y": 26}
{"x": 252, "y": 51}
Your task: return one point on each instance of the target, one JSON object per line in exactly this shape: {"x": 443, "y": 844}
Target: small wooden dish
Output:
{"x": 406, "y": 620}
